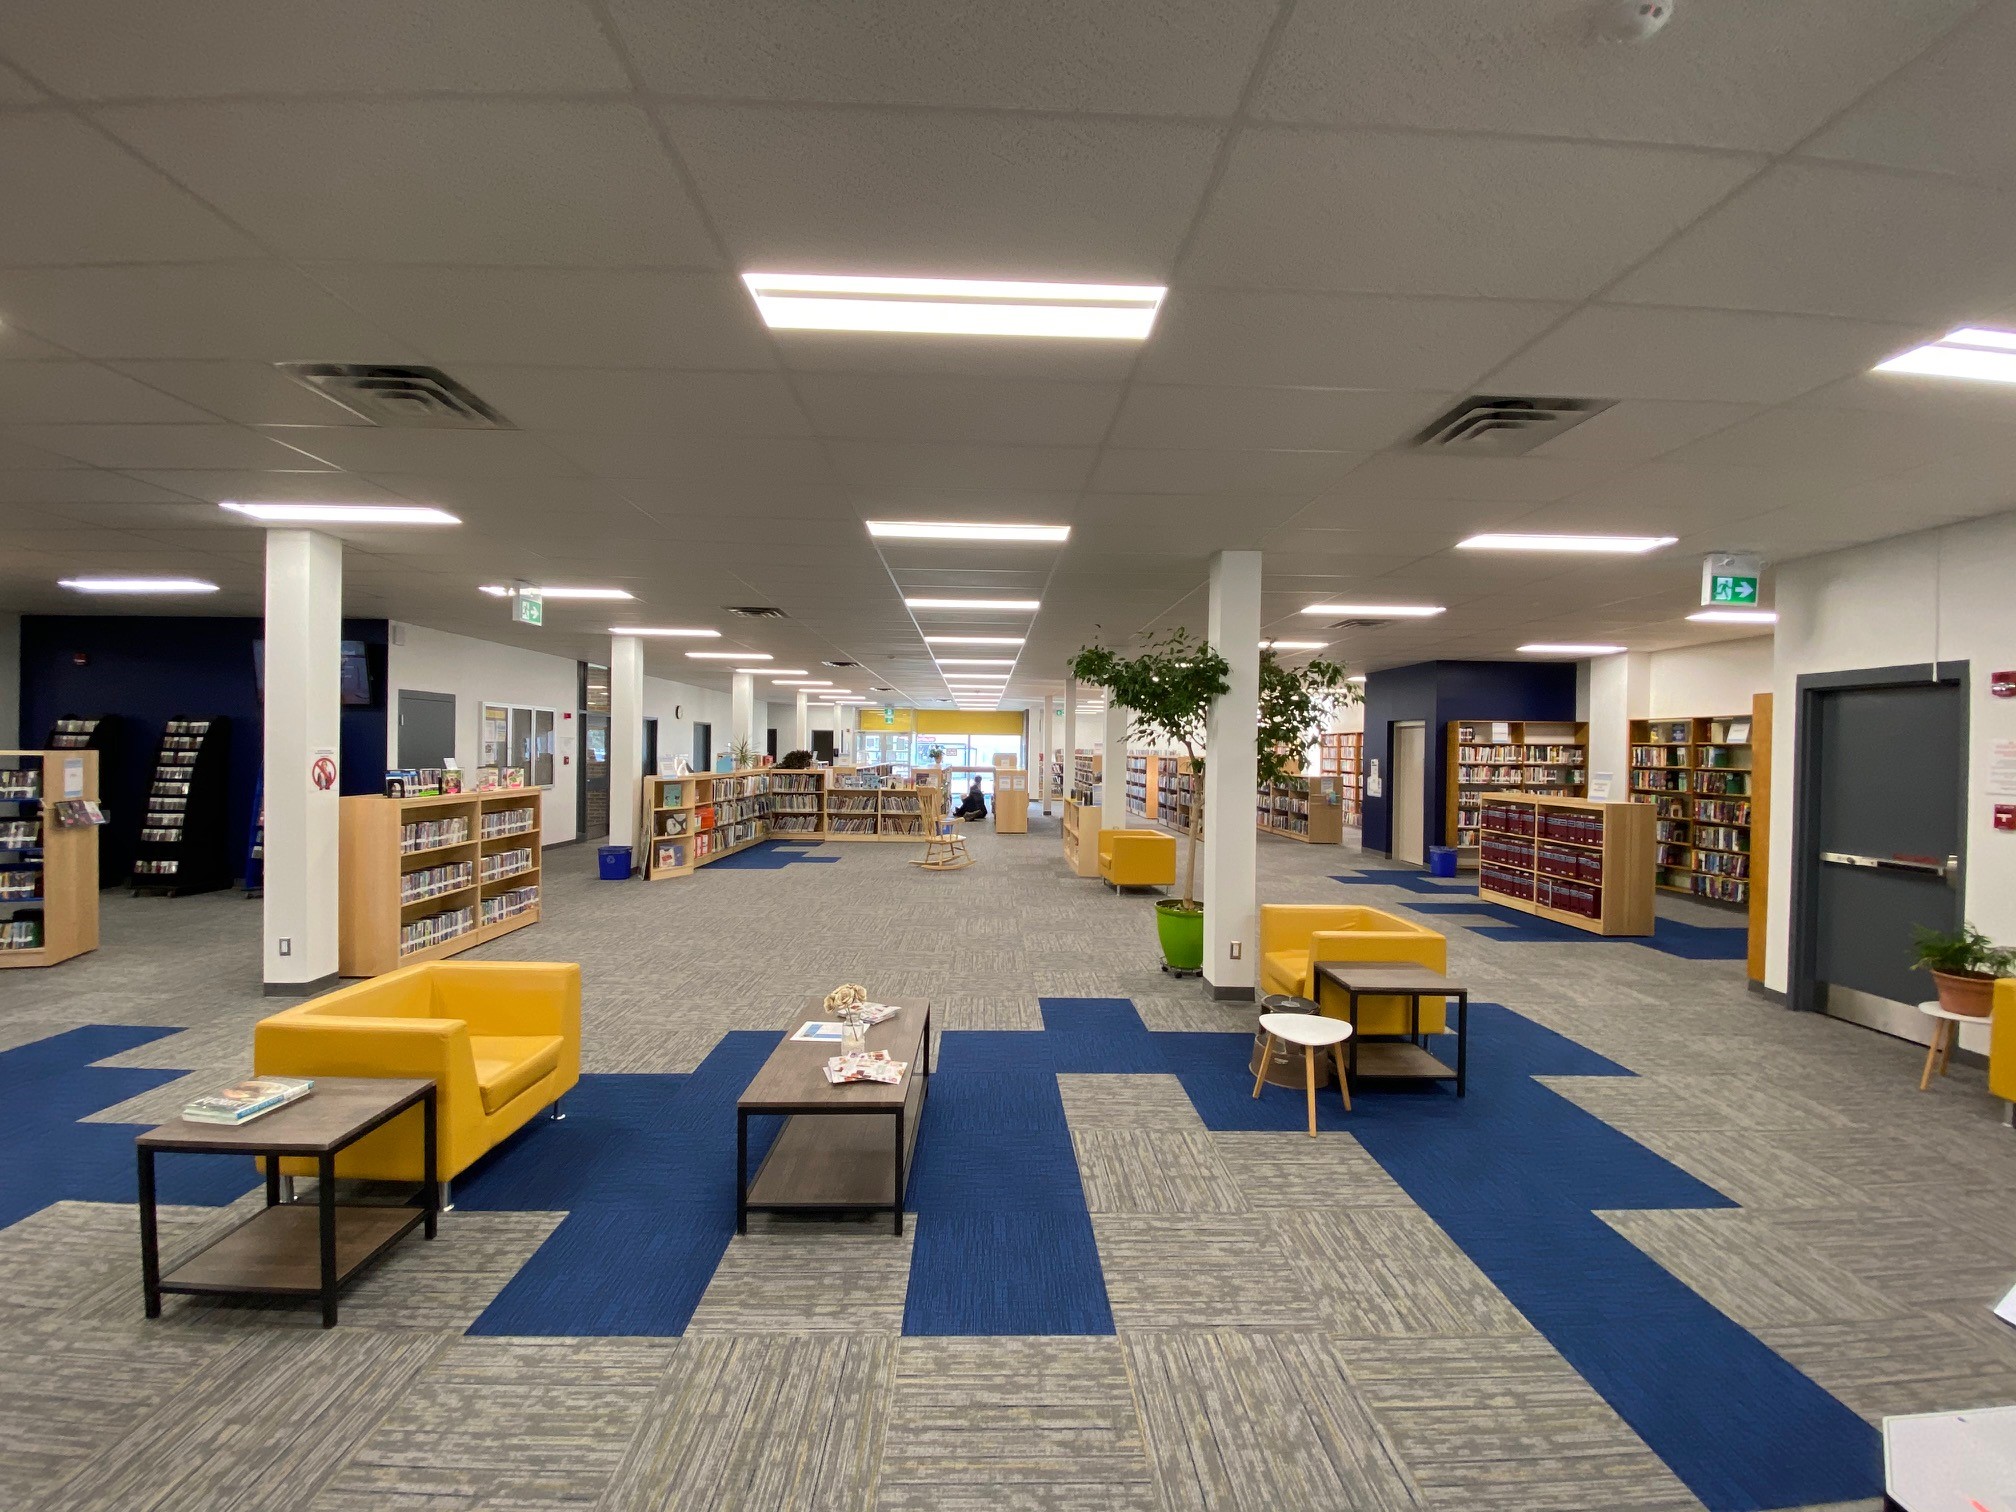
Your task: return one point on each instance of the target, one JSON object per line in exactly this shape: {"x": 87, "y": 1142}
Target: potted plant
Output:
{"x": 1295, "y": 704}
{"x": 795, "y": 761}
{"x": 743, "y": 754}
{"x": 1964, "y": 964}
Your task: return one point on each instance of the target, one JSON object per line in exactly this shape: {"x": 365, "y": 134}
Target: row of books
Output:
{"x": 850, "y": 824}
{"x": 1571, "y": 862}
{"x": 20, "y": 834}
{"x": 432, "y": 834}
{"x": 508, "y": 905}
{"x": 796, "y": 782}
{"x": 794, "y": 824}
{"x": 435, "y": 929}
{"x": 1501, "y": 851}
{"x": 21, "y": 882}
{"x": 508, "y": 822}
{"x": 21, "y": 934}
{"x": 838, "y": 803}
{"x": 19, "y": 784}
{"x": 1661, "y": 756}
{"x": 1723, "y": 784}
{"x": 433, "y": 881}
{"x": 1721, "y": 863}
{"x": 501, "y": 864}
{"x": 167, "y": 868}
{"x": 1722, "y": 837}
{"x": 1719, "y": 812}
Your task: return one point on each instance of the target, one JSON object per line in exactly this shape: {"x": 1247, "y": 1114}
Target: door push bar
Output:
{"x": 1949, "y": 867}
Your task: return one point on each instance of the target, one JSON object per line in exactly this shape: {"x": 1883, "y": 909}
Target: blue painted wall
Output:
{"x": 1436, "y": 693}
{"x": 151, "y": 669}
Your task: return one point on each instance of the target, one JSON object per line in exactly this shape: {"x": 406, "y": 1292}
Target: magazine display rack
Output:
{"x": 48, "y": 871}
{"x": 183, "y": 846}
{"x": 426, "y": 878}
{"x": 1571, "y": 860}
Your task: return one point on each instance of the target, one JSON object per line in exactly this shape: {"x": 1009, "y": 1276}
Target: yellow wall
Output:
{"x": 945, "y": 721}
{"x": 873, "y": 721}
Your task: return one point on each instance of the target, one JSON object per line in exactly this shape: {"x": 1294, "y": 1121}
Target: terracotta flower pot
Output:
{"x": 1965, "y": 992}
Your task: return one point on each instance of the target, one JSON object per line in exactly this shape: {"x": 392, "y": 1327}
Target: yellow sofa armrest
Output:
{"x": 2002, "y": 1041}
{"x": 509, "y": 997}
{"x": 1106, "y": 838}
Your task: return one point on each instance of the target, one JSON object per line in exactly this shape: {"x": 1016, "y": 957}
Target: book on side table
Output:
{"x": 248, "y": 1100}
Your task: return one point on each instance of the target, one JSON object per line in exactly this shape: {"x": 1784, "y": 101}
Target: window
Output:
{"x": 519, "y": 737}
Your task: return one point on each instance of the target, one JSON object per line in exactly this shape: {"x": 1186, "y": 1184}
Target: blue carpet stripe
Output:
{"x": 772, "y": 855}
{"x": 1692, "y": 942}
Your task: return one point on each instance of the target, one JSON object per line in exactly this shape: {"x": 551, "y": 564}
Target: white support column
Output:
{"x": 1231, "y": 777}
{"x": 626, "y": 741}
{"x": 303, "y": 738}
{"x": 1620, "y": 690}
{"x": 1049, "y": 752}
{"x": 804, "y": 740}
{"x": 1113, "y": 767}
{"x": 742, "y": 711}
{"x": 1070, "y": 731}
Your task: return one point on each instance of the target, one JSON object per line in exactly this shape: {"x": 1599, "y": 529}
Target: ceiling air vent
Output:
{"x": 756, "y": 611}
{"x": 1490, "y": 425}
{"x": 1359, "y": 624}
{"x": 413, "y": 398}
{"x": 839, "y": 664}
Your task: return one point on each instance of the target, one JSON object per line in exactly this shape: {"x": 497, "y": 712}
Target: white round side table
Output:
{"x": 1315, "y": 1034}
{"x": 1940, "y": 1054}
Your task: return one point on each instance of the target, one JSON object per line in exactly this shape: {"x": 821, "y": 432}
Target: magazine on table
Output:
{"x": 248, "y": 1100}
{"x": 873, "y": 1013}
{"x": 865, "y": 1065}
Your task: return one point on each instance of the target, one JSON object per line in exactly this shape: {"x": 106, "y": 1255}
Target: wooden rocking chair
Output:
{"x": 946, "y": 849}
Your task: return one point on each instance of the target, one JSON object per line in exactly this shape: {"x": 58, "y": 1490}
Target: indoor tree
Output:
{"x": 1295, "y": 704}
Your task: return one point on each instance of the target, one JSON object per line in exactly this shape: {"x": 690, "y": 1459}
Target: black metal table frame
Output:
{"x": 428, "y": 1213}
{"x": 744, "y": 1207}
{"x": 1462, "y": 996}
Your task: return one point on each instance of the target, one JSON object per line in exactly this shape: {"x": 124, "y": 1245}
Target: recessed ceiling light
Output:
{"x": 1568, "y": 648}
{"x": 1279, "y": 645}
{"x": 803, "y": 682}
{"x": 974, "y": 677}
{"x": 731, "y": 656}
{"x": 500, "y": 590}
{"x": 1627, "y": 545}
{"x": 1735, "y": 617}
{"x": 1380, "y": 611}
{"x": 344, "y": 514}
{"x": 973, "y": 640}
{"x": 669, "y": 630}
{"x": 1359, "y": 678}
{"x": 136, "y": 585}
{"x": 1020, "y": 606}
{"x": 929, "y": 530}
{"x": 976, "y": 661}
{"x": 954, "y": 306}
{"x": 1969, "y": 352}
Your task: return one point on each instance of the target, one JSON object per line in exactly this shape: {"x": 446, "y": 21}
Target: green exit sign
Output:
{"x": 1730, "y": 579}
{"x": 1725, "y": 589}
{"x": 528, "y": 607}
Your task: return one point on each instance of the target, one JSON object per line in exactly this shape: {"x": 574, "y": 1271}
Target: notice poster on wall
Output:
{"x": 1599, "y": 787}
{"x": 73, "y": 777}
{"x": 2002, "y": 769}
{"x": 1374, "y": 788}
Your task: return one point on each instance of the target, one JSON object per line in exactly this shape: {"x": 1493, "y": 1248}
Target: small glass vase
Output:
{"x": 853, "y": 1033}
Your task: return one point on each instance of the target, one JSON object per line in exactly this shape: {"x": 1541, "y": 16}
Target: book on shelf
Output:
{"x": 248, "y": 1100}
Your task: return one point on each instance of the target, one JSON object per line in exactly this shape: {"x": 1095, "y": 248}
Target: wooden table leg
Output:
{"x": 1309, "y": 1069}
{"x": 1266, "y": 1055}
{"x": 1932, "y": 1053}
{"x": 1343, "y": 1081}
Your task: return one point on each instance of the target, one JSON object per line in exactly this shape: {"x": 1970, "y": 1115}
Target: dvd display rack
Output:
{"x": 1547, "y": 758}
{"x": 105, "y": 734}
{"x": 1341, "y": 754}
{"x": 1571, "y": 860}
{"x": 48, "y": 870}
{"x": 1695, "y": 773}
{"x": 425, "y": 878}
{"x": 183, "y": 845}
{"x": 1308, "y": 809}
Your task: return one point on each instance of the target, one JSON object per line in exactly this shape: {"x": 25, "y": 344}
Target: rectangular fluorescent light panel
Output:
{"x": 1735, "y": 617}
{"x": 764, "y": 670}
{"x": 1614, "y": 545}
{"x": 730, "y": 656}
{"x": 668, "y": 630}
{"x": 1017, "y": 606}
{"x": 926, "y": 530}
{"x": 1380, "y": 611}
{"x": 136, "y": 585}
{"x": 973, "y": 640}
{"x": 1970, "y": 352}
{"x": 1274, "y": 645}
{"x": 976, "y": 661}
{"x": 954, "y": 306}
{"x": 1568, "y": 648}
{"x": 500, "y": 590}
{"x": 803, "y": 682}
{"x": 344, "y": 514}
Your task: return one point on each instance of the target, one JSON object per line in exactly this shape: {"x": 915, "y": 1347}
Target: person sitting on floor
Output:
{"x": 973, "y": 807}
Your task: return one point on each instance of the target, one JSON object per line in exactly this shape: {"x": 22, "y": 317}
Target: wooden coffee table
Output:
{"x": 1409, "y": 1059}
{"x": 290, "y": 1249}
{"x": 842, "y": 1149}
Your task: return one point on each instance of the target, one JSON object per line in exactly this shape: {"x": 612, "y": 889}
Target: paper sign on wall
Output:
{"x": 73, "y": 776}
{"x": 2002, "y": 769}
{"x": 1501, "y": 733}
{"x": 1599, "y": 787}
{"x": 1374, "y": 788}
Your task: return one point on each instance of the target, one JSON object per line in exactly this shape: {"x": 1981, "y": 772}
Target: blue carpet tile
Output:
{"x": 773, "y": 855}
{"x": 1693, "y": 942}
{"x": 1415, "y": 882}
{"x": 47, "y": 1086}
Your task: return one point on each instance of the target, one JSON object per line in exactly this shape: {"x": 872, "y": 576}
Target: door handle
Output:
{"x": 1950, "y": 865}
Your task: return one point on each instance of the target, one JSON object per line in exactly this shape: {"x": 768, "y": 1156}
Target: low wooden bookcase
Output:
{"x": 1572, "y": 860}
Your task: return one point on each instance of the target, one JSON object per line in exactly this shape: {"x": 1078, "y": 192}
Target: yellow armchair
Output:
{"x": 2002, "y": 1045}
{"x": 1137, "y": 858}
{"x": 1295, "y": 938}
{"x": 501, "y": 1041}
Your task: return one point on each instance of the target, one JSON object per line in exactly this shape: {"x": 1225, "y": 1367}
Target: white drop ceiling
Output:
{"x": 1364, "y": 209}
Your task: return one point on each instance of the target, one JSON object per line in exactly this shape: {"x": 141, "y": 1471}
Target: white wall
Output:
{"x": 478, "y": 672}
{"x": 1613, "y": 691}
{"x": 10, "y": 682}
{"x": 677, "y": 706}
{"x": 1935, "y": 595}
{"x": 1715, "y": 679}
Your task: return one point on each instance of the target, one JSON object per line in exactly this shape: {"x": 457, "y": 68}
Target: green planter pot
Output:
{"x": 1182, "y": 936}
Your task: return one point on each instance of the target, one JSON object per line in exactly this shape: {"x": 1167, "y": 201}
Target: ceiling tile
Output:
{"x": 371, "y": 449}
{"x": 74, "y": 196}
{"x": 497, "y": 182}
{"x": 79, "y": 485}
{"x": 1427, "y": 475}
{"x": 867, "y": 407}
{"x": 1336, "y": 340}
{"x": 616, "y": 399}
{"x": 252, "y": 485}
{"x": 1468, "y": 216}
{"x": 108, "y": 49}
{"x": 1156, "y": 415}
{"x": 1190, "y": 526}
{"x": 79, "y": 391}
{"x": 570, "y": 317}
{"x": 1723, "y": 75}
{"x": 984, "y": 357}
{"x": 1626, "y": 352}
{"x": 1819, "y": 239}
{"x": 1637, "y": 430}
{"x": 1167, "y": 470}
{"x": 889, "y": 464}
{"x": 1153, "y": 57}
{"x": 249, "y": 393}
{"x": 798, "y": 189}
{"x": 136, "y": 446}
{"x": 257, "y": 310}
{"x": 697, "y": 461}
{"x": 1834, "y": 442}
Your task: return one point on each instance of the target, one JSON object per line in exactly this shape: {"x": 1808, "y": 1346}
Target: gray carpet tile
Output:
{"x": 1749, "y": 1268}
{"x": 1137, "y": 1103}
{"x": 1921, "y": 1361}
{"x": 1175, "y": 1172}
{"x": 1381, "y": 1272}
{"x": 804, "y": 1275}
{"x": 1202, "y": 1271}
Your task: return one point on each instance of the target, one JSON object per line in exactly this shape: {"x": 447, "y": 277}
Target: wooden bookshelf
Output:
{"x": 1086, "y": 767}
{"x": 1142, "y": 791}
{"x": 1011, "y": 801}
{"x": 1342, "y": 755}
{"x": 1545, "y": 757}
{"x": 1175, "y": 793}
{"x": 699, "y": 818}
{"x": 462, "y": 867}
{"x": 1082, "y": 822}
{"x": 1695, "y": 774}
{"x": 59, "y": 863}
{"x": 1308, "y": 809}
{"x": 1572, "y": 860}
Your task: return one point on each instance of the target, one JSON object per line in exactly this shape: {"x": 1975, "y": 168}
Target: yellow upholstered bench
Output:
{"x": 2002, "y": 1045}
{"x": 501, "y": 1041}
{"x": 1295, "y": 938}
{"x": 1137, "y": 858}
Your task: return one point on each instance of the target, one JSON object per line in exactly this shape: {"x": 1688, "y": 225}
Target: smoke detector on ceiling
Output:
{"x": 1494, "y": 425}
{"x": 412, "y": 398}
{"x": 756, "y": 611}
{"x": 1632, "y": 20}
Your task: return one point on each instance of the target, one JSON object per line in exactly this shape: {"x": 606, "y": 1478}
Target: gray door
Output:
{"x": 426, "y": 728}
{"x": 703, "y": 746}
{"x": 1409, "y": 784}
{"x": 650, "y": 748}
{"x": 1886, "y": 768}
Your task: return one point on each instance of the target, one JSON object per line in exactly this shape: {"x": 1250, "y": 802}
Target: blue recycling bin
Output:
{"x": 615, "y": 862}
{"x": 1441, "y": 860}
